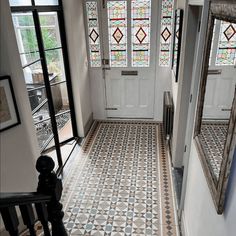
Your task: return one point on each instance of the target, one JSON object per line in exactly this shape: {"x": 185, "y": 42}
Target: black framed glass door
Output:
{"x": 40, "y": 35}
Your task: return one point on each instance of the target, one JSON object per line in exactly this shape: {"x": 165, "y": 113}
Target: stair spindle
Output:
{"x": 28, "y": 217}
{"x": 10, "y": 220}
{"x": 42, "y": 213}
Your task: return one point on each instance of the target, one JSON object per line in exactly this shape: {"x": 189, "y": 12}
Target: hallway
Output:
{"x": 120, "y": 182}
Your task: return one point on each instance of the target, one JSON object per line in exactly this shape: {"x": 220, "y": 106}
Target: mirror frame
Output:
{"x": 221, "y": 10}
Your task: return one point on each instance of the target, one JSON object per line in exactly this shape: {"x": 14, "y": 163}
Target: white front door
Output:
{"x": 221, "y": 79}
{"x": 128, "y": 48}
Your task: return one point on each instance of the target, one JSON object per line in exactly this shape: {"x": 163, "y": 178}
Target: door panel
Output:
{"x": 130, "y": 34}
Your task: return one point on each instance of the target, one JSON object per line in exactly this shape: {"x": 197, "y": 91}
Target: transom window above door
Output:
{"x": 127, "y": 34}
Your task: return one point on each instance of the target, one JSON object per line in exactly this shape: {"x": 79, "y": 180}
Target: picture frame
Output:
{"x": 9, "y": 114}
{"x": 178, "y": 26}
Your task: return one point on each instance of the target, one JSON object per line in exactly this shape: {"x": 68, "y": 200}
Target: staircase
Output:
{"x": 45, "y": 201}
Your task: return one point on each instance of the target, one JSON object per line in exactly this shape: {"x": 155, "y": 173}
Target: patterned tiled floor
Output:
{"x": 120, "y": 183}
{"x": 212, "y": 137}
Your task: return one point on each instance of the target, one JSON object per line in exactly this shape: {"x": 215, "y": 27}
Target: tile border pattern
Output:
{"x": 168, "y": 219}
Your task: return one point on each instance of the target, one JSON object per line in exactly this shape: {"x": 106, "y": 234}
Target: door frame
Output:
{"x": 101, "y": 71}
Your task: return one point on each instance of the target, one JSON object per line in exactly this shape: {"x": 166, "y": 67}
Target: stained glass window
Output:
{"x": 141, "y": 24}
{"x": 93, "y": 34}
{"x": 226, "y": 52}
{"x": 166, "y": 29}
{"x": 117, "y": 30}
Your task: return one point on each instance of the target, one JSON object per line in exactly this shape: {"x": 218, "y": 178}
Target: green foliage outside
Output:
{"x": 49, "y": 39}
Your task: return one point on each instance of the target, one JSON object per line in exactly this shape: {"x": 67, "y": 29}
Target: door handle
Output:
{"x": 106, "y": 68}
{"x": 225, "y": 109}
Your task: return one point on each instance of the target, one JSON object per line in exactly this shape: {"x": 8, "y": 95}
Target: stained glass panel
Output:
{"x": 166, "y": 29}
{"x": 93, "y": 34}
{"x": 226, "y": 52}
{"x": 141, "y": 24}
{"x": 117, "y": 30}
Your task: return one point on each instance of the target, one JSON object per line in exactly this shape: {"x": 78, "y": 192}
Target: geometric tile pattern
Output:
{"x": 120, "y": 182}
{"x": 118, "y": 188}
{"x": 213, "y": 137}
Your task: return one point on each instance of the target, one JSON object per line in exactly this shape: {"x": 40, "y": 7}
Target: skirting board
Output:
{"x": 88, "y": 125}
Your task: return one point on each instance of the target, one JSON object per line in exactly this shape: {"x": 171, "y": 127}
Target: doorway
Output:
{"x": 43, "y": 52}
{"x": 125, "y": 51}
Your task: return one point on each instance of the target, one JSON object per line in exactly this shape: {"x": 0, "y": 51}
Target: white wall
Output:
{"x": 76, "y": 41}
{"x": 18, "y": 145}
{"x": 200, "y": 217}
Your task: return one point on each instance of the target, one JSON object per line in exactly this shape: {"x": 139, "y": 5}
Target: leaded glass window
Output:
{"x": 226, "y": 50}
{"x": 141, "y": 23}
{"x": 117, "y": 30}
{"x": 166, "y": 30}
{"x": 93, "y": 34}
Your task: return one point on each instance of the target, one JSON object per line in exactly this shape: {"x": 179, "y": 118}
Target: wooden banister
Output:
{"x": 46, "y": 201}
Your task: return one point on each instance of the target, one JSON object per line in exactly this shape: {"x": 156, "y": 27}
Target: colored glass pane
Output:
{"x": 93, "y": 34}
{"x": 166, "y": 29}
{"x": 141, "y": 24}
{"x": 226, "y": 52}
{"x": 117, "y": 30}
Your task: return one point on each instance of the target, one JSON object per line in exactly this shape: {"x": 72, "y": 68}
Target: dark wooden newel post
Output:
{"x": 50, "y": 184}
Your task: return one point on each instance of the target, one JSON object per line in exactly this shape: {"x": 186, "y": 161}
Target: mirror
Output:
{"x": 216, "y": 112}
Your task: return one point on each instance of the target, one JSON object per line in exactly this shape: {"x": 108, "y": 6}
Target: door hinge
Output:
{"x": 191, "y": 97}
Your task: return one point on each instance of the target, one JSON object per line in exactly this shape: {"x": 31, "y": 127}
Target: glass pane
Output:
{"x": 141, "y": 24}
{"x": 26, "y": 37}
{"x": 117, "y": 29}
{"x": 46, "y": 2}
{"x": 61, "y": 106}
{"x": 64, "y": 126}
{"x": 50, "y": 30}
{"x": 55, "y": 65}
{"x": 93, "y": 34}
{"x": 226, "y": 53}
{"x": 34, "y": 75}
{"x": 43, "y": 126}
{"x": 166, "y": 29}
{"x": 20, "y": 2}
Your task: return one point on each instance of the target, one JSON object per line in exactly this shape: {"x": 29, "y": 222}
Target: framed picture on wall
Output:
{"x": 9, "y": 115}
{"x": 178, "y": 25}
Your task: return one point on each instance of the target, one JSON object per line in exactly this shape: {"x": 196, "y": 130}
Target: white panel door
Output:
{"x": 129, "y": 37}
{"x": 221, "y": 79}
